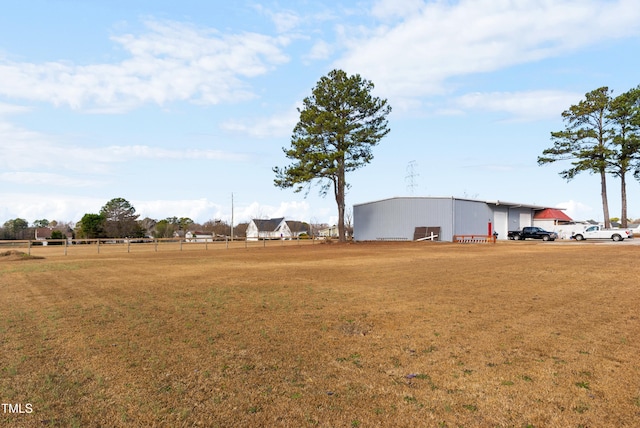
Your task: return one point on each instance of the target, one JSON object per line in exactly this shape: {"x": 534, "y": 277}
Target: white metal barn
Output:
{"x": 399, "y": 218}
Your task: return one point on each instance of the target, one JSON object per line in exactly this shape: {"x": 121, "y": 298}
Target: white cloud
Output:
{"x": 578, "y": 211}
{"x": 387, "y": 9}
{"x": 277, "y": 125}
{"x": 127, "y": 153}
{"x": 6, "y": 109}
{"x": 285, "y": 21}
{"x": 439, "y": 40}
{"x": 170, "y": 62}
{"x": 199, "y": 210}
{"x": 291, "y": 210}
{"x": 321, "y": 50}
{"x": 18, "y": 153}
{"x": 520, "y": 106}
{"x": 24, "y": 149}
{"x": 51, "y": 206}
{"x": 45, "y": 179}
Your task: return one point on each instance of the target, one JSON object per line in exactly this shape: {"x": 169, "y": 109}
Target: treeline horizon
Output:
{"x": 118, "y": 219}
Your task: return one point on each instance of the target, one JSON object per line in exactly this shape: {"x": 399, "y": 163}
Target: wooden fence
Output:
{"x": 110, "y": 245}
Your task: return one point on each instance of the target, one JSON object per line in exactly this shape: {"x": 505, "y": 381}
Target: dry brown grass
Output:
{"x": 442, "y": 335}
{"x": 14, "y": 255}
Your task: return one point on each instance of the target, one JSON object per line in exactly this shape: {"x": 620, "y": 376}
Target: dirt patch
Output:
{"x": 13, "y": 255}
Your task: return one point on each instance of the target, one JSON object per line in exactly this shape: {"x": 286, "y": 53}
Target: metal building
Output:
{"x": 399, "y": 218}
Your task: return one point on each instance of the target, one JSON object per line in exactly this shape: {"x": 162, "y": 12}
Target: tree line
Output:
{"x": 118, "y": 219}
{"x": 601, "y": 136}
{"x": 19, "y": 228}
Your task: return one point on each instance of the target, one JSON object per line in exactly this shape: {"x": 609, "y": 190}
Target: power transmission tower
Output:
{"x": 411, "y": 177}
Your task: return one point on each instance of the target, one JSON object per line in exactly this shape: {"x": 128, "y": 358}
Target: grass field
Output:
{"x": 360, "y": 335}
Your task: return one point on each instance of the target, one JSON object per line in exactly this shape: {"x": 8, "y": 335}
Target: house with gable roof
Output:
{"x": 556, "y": 220}
{"x": 297, "y": 228}
{"x": 274, "y": 228}
{"x": 43, "y": 234}
{"x": 549, "y": 218}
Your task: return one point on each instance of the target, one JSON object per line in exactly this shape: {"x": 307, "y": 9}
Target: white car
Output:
{"x": 597, "y": 232}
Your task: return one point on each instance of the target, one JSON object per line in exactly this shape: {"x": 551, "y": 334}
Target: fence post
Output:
{"x": 180, "y": 244}
{"x": 98, "y": 246}
{"x": 65, "y": 247}
{"x": 226, "y": 241}
{"x": 29, "y": 247}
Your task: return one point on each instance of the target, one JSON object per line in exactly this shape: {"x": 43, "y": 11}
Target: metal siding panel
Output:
{"x": 472, "y": 217}
{"x": 397, "y": 218}
{"x": 501, "y": 222}
{"x": 439, "y": 213}
{"x": 519, "y": 218}
{"x": 514, "y": 219}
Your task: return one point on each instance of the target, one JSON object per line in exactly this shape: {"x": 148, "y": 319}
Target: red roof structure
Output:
{"x": 551, "y": 214}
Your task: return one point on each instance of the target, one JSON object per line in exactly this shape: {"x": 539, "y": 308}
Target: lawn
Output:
{"x": 516, "y": 334}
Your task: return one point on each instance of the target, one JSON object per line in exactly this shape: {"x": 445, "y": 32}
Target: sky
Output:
{"x": 184, "y": 108}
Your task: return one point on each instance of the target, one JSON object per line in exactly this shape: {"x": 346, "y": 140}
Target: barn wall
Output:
{"x": 397, "y": 218}
{"x": 472, "y": 217}
{"x": 501, "y": 221}
{"x": 520, "y": 217}
{"x": 252, "y": 232}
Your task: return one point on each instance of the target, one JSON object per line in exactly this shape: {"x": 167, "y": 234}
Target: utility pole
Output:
{"x": 231, "y": 216}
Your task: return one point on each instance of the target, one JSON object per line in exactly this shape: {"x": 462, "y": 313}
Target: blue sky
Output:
{"x": 174, "y": 106}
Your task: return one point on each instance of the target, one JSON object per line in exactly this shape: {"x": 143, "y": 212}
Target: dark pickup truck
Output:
{"x": 532, "y": 233}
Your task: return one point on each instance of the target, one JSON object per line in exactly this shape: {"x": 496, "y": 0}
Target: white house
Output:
{"x": 329, "y": 232}
{"x": 42, "y": 234}
{"x": 274, "y": 228}
{"x": 555, "y": 220}
{"x": 199, "y": 236}
{"x": 297, "y": 228}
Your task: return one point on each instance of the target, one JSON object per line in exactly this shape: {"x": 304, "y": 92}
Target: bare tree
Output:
{"x": 348, "y": 223}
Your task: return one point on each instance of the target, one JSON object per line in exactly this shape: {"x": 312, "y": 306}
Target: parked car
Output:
{"x": 597, "y": 232}
{"x": 532, "y": 232}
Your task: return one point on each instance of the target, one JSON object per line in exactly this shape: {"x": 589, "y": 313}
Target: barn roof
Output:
{"x": 551, "y": 214}
{"x": 453, "y": 198}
